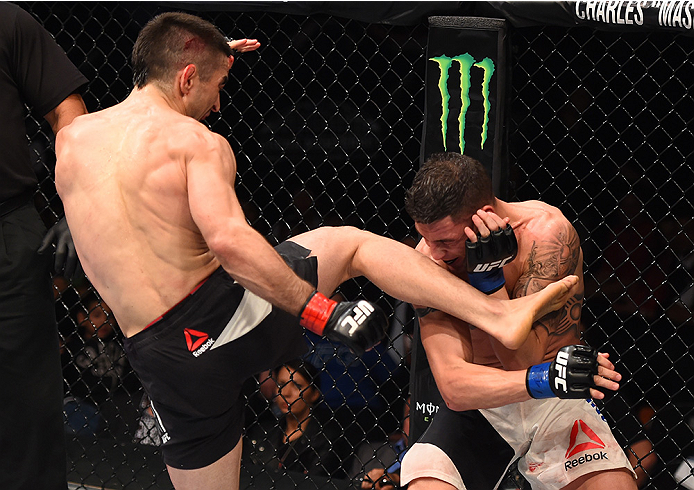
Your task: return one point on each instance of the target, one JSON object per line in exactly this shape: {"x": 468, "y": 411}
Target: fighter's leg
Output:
{"x": 400, "y": 271}
{"x": 430, "y": 484}
{"x": 617, "y": 479}
{"x": 223, "y": 474}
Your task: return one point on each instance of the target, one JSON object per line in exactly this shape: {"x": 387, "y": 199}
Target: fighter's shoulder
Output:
{"x": 81, "y": 128}
{"x": 198, "y": 135}
{"x": 545, "y": 219}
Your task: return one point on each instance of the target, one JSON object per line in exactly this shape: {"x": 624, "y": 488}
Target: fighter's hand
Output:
{"x": 244, "y": 45}
{"x": 360, "y": 325}
{"x": 572, "y": 374}
{"x": 66, "y": 261}
{"x": 606, "y": 379}
{"x": 241, "y": 46}
{"x": 488, "y": 250}
{"x": 486, "y": 222}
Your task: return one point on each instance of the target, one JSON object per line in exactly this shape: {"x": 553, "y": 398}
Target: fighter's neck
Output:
{"x": 152, "y": 95}
{"x": 506, "y": 209}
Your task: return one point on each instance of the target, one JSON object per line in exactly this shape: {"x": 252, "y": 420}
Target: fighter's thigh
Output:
{"x": 429, "y": 484}
{"x": 334, "y": 248}
{"x": 223, "y": 474}
{"x": 616, "y": 479}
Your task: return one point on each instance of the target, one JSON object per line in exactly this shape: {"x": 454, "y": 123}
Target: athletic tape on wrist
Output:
{"x": 316, "y": 312}
{"x": 537, "y": 381}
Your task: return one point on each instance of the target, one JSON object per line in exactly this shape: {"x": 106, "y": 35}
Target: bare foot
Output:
{"x": 554, "y": 296}
{"x": 523, "y": 312}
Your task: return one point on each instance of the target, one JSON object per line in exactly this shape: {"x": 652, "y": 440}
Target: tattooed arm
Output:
{"x": 554, "y": 254}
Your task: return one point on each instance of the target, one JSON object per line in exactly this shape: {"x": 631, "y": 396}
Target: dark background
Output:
{"x": 326, "y": 123}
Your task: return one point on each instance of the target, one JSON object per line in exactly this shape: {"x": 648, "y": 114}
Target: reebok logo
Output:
{"x": 198, "y": 342}
{"x": 582, "y": 439}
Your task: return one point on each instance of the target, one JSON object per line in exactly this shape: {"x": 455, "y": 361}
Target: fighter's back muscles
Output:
{"x": 167, "y": 200}
{"x": 241, "y": 250}
{"x": 123, "y": 185}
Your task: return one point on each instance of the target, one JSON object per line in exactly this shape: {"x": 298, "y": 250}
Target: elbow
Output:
{"x": 457, "y": 403}
{"x": 457, "y": 398}
{"x": 226, "y": 244}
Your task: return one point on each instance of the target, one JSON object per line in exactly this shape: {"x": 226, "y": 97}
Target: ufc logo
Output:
{"x": 560, "y": 366}
{"x": 491, "y": 265}
{"x": 360, "y": 312}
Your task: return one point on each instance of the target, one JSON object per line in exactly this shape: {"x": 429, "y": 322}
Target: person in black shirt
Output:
{"x": 305, "y": 439}
{"x": 35, "y": 71}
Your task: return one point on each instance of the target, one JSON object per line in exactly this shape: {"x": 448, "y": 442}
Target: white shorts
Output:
{"x": 556, "y": 441}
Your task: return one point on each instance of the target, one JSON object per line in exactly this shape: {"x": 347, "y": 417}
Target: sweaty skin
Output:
{"x": 548, "y": 250}
{"x": 472, "y": 368}
{"x": 125, "y": 195}
{"x": 140, "y": 183}
{"x": 148, "y": 194}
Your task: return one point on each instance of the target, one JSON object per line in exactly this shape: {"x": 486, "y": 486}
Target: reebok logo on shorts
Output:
{"x": 198, "y": 342}
{"x": 583, "y": 439}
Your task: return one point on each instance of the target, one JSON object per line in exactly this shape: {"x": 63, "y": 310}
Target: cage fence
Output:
{"x": 326, "y": 123}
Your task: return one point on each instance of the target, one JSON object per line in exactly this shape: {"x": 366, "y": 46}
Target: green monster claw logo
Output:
{"x": 466, "y": 62}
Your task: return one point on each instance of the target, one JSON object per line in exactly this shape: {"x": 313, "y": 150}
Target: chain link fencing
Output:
{"x": 326, "y": 122}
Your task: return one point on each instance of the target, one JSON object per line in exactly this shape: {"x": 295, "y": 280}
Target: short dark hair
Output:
{"x": 305, "y": 369}
{"x": 448, "y": 184}
{"x": 173, "y": 40}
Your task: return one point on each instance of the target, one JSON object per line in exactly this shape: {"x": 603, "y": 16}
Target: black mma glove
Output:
{"x": 360, "y": 325}
{"x": 570, "y": 375}
{"x": 487, "y": 256}
{"x": 66, "y": 261}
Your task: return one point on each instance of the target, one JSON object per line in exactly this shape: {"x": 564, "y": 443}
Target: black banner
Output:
{"x": 618, "y": 15}
{"x": 622, "y": 15}
{"x": 466, "y": 83}
{"x": 465, "y": 87}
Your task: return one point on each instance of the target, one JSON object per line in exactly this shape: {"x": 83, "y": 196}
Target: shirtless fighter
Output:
{"x": 504, "y": 404}
{"x": 202, "y": 298}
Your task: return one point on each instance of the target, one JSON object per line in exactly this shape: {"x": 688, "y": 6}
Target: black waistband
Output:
{"x": 14, "y": 203}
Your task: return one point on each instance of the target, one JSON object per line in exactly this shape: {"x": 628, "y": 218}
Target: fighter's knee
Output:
{"x": 428, "y": 483}
{"x": 614, "y": 479}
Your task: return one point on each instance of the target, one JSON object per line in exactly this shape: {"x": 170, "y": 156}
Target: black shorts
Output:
{"x": 194, "y": 361}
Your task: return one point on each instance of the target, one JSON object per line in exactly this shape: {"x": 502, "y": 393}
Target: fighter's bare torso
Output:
{"x": 548, "y": 249}
{"x": 121, "y": 174}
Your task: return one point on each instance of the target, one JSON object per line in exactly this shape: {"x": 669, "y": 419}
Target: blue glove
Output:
{"x": 487, "y": 256}
{"x": 66, "y": 261}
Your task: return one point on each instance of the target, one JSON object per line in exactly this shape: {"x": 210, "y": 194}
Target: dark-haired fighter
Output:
{"x": 531, "y": 402}
{"x": 203, "y": 299}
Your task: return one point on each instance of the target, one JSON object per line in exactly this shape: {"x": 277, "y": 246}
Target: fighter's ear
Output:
{"x": 187, "y": 78}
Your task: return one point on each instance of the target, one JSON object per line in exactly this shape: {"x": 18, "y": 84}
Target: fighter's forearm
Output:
{"x": 251, "y": 261}
{"x": 471, "y": 387}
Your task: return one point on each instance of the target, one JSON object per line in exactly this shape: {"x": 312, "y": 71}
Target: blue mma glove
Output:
{"x": 487, "y": 256}
{"x": 570, "y": 375}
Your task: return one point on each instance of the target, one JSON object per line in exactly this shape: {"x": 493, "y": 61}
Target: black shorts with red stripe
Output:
{"x": 194, "y": 360}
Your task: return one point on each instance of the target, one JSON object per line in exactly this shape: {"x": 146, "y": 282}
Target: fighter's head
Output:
{"x": 186, "y": 57}
{"x": 448, "y": 185}
{"x": 447, "y": 190}
{"x": 173, "y": 40}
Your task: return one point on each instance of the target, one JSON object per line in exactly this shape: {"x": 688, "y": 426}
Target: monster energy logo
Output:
{"x": 466, "y": 62}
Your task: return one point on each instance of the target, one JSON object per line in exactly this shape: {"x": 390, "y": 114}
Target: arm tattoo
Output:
{"x": 549, "y": 260}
